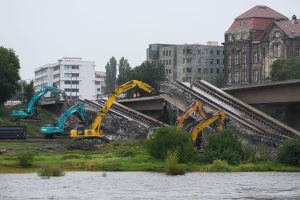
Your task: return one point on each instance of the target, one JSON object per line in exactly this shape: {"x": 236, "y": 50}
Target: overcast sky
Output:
{"x": 42, "y": 31}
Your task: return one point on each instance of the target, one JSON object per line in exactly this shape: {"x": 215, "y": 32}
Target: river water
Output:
{"x": 144, "y": 185}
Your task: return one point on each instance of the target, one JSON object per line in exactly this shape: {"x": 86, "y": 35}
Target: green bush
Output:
{"x": 171, "y": 164}
{"x": 249, "y": 153}
{"x": 167, "y": 139}
{"x": 25, "y": 159}
{"x": 289, "y": 152}
{"x": 51, "y": 170}
{"x": 218, "y": 166}
{"x": 223, "y": 146}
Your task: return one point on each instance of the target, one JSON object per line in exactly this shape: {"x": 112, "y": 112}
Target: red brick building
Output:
{"x": 254, "y": 41}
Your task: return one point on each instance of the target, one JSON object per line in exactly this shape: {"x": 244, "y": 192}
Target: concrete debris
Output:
{"x": 122, "y": 128}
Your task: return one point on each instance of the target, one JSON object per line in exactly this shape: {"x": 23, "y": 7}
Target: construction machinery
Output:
{"x": 30, "y": 111}
{"x": 58, "y": 128}
{"x": 95, "y": 129}
{"x": 196, "y": 106}
{"x": 216, "y": 121}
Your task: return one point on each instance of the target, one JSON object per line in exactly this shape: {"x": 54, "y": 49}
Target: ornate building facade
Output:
{"x": 254, "y": 41}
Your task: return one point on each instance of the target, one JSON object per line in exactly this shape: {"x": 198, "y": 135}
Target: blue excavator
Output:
{"x": 30, "y": 111}
{"x": 58, "y": 127}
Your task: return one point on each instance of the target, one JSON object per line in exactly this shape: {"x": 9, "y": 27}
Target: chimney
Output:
{"x": 294, "y": 19}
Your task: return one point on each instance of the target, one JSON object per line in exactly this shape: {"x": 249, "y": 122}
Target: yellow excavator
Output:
{"x": 217, "y": 120}
{"x": 95, "y": 129}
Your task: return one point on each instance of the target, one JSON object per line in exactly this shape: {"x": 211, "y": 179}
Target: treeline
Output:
{"x": 146, "y": 72}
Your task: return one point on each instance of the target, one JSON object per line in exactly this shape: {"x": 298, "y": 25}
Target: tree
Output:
{"x": 285, "y": 69}
{"x": 124, "y": 71}
{"x": 111, "y": 72}
{"x": 9, "y": 74}
{"x": 28, "y": 90}
{"x": 149, "y": 73}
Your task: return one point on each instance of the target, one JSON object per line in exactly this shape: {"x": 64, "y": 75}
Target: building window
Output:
{"x": 229, "y": 77}
{"x": 199, "y": 51}
{"x": 170, "y": 71}
{"x": 199, "y": 70}
{"x": 71, "y": 90}
{"x": 170, "y": 62}
{"x": 236, "y": 76}
{"x": 218, "y": 52}
{"x": 297, "y": 51}
{"x": 255, "y": 75}
{"x": 56, "y": 68}
{"x": 229, "y": 60}
{"x": 98, "y": 89}
{"x": 164, "y": 53}
{"x": 277, "y": 50}
{"x": 255, "y": 58}
{"x": 229, "y": 37}
{"x": 242, "y": 23}
{"x": 211, "y": 70}
{"x": 218, "y": 71}
{"x": 170, "y": 53}
{"x": 205, "y": 70}
{"x": 218, "y": 61}
{"x": 245, "y": 76}
{"x": 56, "y": 76}
{"x": 236, "y": 59}
{"x": 211, "y": 61}
{"x": 188, "y": 69}
{"x": 189, "y": 60}
{"x": 97, "y": 82}
{"x": 72, "y": 82}
{"x": 211, "y": 52}
{"x": 188, "y": 51}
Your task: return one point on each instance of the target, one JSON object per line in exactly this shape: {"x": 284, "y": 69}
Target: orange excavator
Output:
{"x": 196, "y": 106}
{"x": 216, "y": 121}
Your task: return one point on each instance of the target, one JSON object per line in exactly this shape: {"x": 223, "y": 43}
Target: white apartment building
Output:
{"x": 100, "y": 83}
{"x": 71, "y": 74}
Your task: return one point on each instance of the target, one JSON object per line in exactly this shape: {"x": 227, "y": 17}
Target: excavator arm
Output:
{"x": 59, "y": 126}
{"x": 95, "y": 129}
{"x": 29, "y": 112}
{"x": 196, "y": 106}
{"x": 217, "y": 117}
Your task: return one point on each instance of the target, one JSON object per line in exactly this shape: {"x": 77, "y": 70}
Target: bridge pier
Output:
{"x": 293, "y": 116}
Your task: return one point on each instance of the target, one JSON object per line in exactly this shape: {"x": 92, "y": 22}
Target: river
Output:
{"x": 144, "y": 185}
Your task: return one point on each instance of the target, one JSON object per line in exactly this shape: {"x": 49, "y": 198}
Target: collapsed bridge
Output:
{"x": 251, "y": 123}
{"x": 125, "y": 122}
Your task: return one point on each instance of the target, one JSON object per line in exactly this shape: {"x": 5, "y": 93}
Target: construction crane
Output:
{"x": 196, "y": 106}
{"x": 58, "y": 128}
{"x": 29, "y": 112}
{"x": 217, "y": 120}
{"x": 95, "y": 130}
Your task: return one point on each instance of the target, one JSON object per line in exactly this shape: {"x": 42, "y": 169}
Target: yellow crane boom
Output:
{"x": 95, "y": 129}
{"x": 216, "y": 117}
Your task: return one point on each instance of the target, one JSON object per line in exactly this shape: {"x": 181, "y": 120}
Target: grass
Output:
{"x": 51, "y": 170}
{"x": 116, "y": 156}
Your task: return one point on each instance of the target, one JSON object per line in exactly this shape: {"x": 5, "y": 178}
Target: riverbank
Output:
{"x": 116, "y": 156}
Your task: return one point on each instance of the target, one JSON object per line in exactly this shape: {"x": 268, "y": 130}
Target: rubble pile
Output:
{"x": 122, "y": 128}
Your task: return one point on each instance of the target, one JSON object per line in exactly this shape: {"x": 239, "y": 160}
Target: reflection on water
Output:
{"x": 143, "y": 185}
